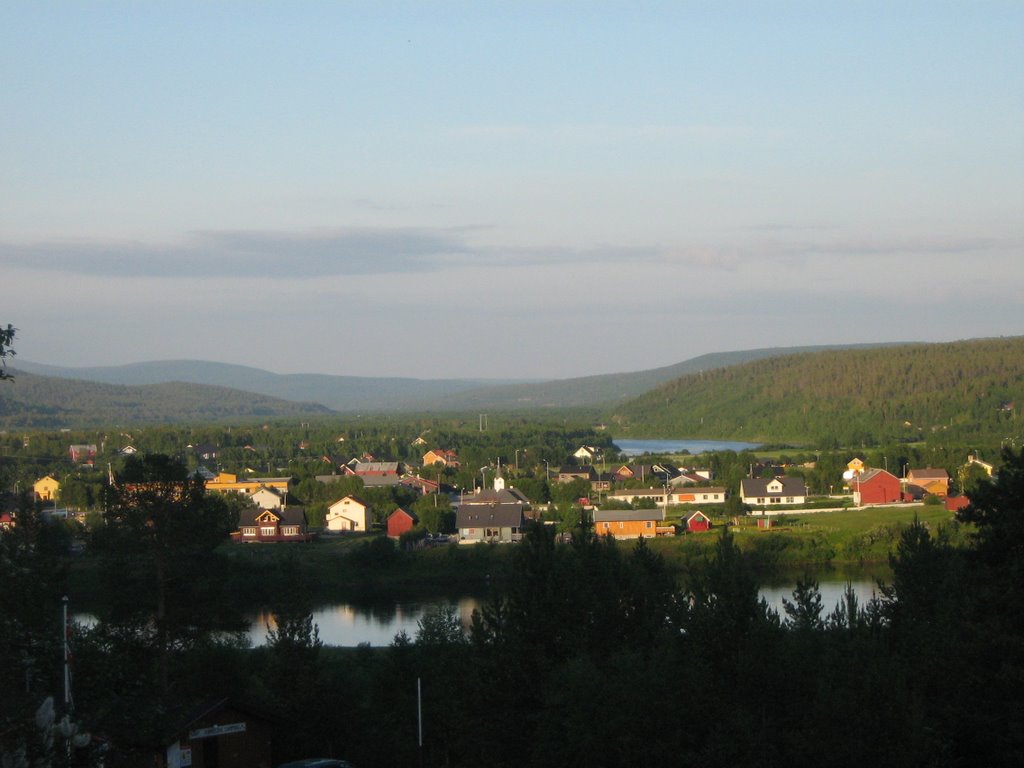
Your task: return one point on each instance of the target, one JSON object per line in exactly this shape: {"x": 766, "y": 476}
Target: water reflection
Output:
{"x": 831, "y": 594}
{"x": 348, "y": 624}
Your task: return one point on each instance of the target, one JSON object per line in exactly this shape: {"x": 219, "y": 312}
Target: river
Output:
{"x": 347, "y": 624}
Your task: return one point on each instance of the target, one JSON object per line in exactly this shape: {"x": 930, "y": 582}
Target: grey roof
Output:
{"x": 380, "y": 481}
{"x": 375, "y": 466}
{"x": 491, "y": 496}
{"x": 287, "y": 516}
{"x": 870, "y": 474}
{"x": 627, "y": 515}
{"x": 489, "y": 515}
{"x": 758, "y": 486}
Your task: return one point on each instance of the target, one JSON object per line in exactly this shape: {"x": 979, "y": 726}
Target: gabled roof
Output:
{"x": 390, "y": 467}
{"x": 407, "y": 512}
{"x": 628, "y": 515}
{"x": 630, "y": 493}
{"x": 929, "y": 473}
{"x": 491, "y": 496}
{"x": 870, "y": 475}
{"x": 267, "y": 489}
{"x": 758, "y": 486}
{"x": 489, "y": 515}
{"x": 282, "y": 516}
{"x": 586, "y": 471}
{"x": 350, "y": 497}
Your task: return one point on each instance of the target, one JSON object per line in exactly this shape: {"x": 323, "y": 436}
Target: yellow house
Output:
{"x": 226, "y": 481}
{"x": 46, "y": 488}
{"x": 441, "y": 456}
{"x": 856, "y": 466}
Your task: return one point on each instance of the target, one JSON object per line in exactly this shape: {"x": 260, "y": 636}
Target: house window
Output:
{"x": 248, "y": 531}
{"x": 647, "y": 524}
{"x": 789, "y": 499}
{"x": 266, "y": 530}
{"x": 620, "y": 525}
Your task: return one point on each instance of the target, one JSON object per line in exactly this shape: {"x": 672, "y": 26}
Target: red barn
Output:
{"x": 401, "y": 521}
{"x": 956, "y": 503}
{"x": 875, "y": 486}
{"x": 698, "y": 522}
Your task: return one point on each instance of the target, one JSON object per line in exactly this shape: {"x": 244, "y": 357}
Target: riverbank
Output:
{"x": 365, "y": 568}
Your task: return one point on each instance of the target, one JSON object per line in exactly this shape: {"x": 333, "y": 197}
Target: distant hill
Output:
{"x": 338, "y": 393}
{"x": 44, "y": 402}
{"x": 848, "y": 396}
{"x": 606, "y": 389}
{"x": 360, "y": 394}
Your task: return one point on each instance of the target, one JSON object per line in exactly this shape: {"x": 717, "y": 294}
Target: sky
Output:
{"x": 505, "y": 190}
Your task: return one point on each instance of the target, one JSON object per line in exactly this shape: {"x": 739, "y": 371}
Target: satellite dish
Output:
{"x": 848, "y": 474}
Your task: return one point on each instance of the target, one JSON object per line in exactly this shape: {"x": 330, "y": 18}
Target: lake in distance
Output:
{"x": 693, "y": 447}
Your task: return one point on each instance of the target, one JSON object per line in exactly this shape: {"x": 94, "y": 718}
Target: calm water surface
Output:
{"x": 345, "y": 624}
{"x": 640, "y": 447}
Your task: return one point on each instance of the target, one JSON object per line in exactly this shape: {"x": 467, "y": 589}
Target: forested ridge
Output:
{"x": 968, "y": 389}
{"x": 45, "y": 402}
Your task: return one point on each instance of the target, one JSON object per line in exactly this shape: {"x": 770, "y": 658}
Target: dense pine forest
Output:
{"x": 966, "y": 390}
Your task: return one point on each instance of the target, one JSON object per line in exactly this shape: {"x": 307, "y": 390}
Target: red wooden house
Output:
{"x": 217, "y": 734}
{"x": 400, "y": 521}
{"x": 698, "y": 522}
{"x": 875, "y": 486}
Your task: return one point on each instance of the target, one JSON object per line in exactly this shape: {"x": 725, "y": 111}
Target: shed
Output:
{"x": 217, "y": 733}
{"x": 698, "y": 522}
{"x": 401, "y": 521}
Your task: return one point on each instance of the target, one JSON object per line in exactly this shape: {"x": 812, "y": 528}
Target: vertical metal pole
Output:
{"x": 419, "y": 717}
{"x": 67, "y": 665}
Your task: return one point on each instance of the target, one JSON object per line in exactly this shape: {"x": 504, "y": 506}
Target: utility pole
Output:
{"x": 419, "y": 717}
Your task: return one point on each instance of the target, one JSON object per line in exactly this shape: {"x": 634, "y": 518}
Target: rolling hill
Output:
{"x": 854, "y": 396}
{"x": 351, "y": 394}
{"x": 606, "y": 389}
{"x": 357, "y": 394}
{"x": 44, "y": 402}
{"x": 843, "y": 394}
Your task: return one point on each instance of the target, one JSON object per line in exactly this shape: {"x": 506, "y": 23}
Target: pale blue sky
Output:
{"x": 505, "y": 189}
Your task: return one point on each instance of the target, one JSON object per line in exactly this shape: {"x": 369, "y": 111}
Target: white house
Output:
{"x": 586, "y": 453}
{"x": 761, "y": 492}
{"x": 699, "y": 495}
{"x": 349, "y": 514}
{"x": 268, "y": 498}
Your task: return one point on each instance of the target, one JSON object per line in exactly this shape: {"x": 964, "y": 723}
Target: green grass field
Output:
{"x": 851, "y": 537}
